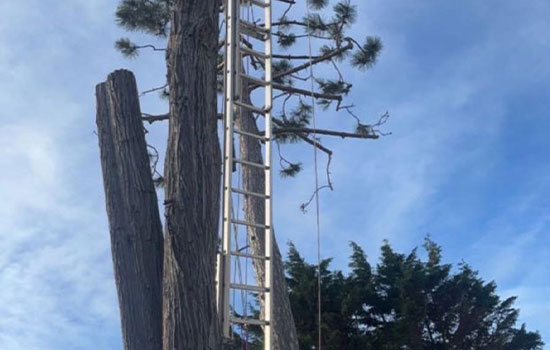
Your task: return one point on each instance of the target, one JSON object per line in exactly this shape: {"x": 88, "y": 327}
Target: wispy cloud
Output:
{"x": 55, "y": 269}
{"x": 453, "y": 76}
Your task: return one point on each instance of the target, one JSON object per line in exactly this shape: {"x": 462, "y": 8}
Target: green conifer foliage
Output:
{"x": 403, "y": 303}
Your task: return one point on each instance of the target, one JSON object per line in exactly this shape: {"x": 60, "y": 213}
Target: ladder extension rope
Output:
{"x": 317, "y": 210}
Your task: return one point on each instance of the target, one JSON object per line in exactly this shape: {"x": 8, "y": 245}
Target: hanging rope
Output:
{"x": 317, "y": 210}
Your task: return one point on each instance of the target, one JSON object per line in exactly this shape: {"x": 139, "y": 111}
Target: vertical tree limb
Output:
{"x": 135, "y": 226}
{"x": 253, "y": 180}
{"x": 192, "y": 180}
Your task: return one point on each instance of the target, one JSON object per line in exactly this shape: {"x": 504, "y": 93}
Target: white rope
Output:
{"x": 317, "y": 210}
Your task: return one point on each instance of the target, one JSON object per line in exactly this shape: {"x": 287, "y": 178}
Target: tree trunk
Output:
{"x": 253, "y": 180}
{"x": 134, "y": 222}
{"x": 192, "y": 175}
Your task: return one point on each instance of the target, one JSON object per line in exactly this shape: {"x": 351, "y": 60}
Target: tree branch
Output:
{"x": 342, "y": 134}
{"x": 307, "y": 139}
{"x": 154, "y": 89}
{"x": 294, "y": 57}
{"x": 149, "y": 46}
{"x": 154, "y": 118}
{"x": 305, "y": 65}
{"x": 294, "y": 90}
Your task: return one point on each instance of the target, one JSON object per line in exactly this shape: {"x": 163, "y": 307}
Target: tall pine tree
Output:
{"x": 191, "y": 172}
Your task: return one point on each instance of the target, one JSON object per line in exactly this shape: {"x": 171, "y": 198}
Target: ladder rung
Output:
{"x": 254, "y": 80}
{"x": 259, "y": 3}
{"x": 249, "y": 288}
{"x": 255, "y": 53}
{"x": 246, "y": 162}
{"x": 248, "y": 193}
{"x": 252, "y": 321}
{"x": 251, "y": 29}
{"x": 246, "y": 223}
{"x": 251, "y": 108}
{"x": 246, "y": 133}
{"x": 251, "y": 256}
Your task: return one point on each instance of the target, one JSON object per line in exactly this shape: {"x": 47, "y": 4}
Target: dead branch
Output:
{"x": 293, "y": 57}
{"x": 153, "y": 90}
{"x": 149, "y": 46}
{"x": 154, "y": 118}
{"x": 341, "y": 134}
{"x": 306, "y": 204}
{"x": 295, "y": 90}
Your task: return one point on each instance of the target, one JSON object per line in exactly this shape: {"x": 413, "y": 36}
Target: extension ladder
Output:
{"x": 236, "y": 29}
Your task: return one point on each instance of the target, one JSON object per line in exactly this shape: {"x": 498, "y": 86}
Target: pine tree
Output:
{"x": 191, "y": 179}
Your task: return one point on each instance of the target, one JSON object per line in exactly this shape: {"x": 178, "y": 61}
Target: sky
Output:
{"x": 467, "y": 85}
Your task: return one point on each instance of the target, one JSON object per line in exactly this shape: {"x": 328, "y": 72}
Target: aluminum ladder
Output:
{"x": 236, "y": 29}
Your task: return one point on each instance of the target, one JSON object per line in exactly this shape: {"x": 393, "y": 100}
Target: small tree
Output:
{"x": 405, "y": 303}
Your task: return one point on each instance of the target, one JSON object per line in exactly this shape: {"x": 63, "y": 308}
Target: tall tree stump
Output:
{"x": 132, "y": 209}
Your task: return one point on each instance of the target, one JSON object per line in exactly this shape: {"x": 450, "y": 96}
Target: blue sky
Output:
{"x": 467, "y": 86}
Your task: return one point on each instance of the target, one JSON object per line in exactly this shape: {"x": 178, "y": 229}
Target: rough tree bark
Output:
{"x": 253, "y": 180}
{"x": 192, "y": 180}
{"x": 132, "y": 209}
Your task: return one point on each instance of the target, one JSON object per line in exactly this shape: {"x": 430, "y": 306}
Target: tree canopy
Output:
{"x": 327, "y": 25}
{"x": 403, "y": 303}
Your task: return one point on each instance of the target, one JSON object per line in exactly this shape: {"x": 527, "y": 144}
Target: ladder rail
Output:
{"x": 268, "y": 298}
{"x": 232, "y": 42}
{"x": 233, "y": 80}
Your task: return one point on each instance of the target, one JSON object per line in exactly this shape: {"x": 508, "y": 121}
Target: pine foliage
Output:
{"x": 149, "y": 16}
{"x": 318, "y": 4}
{"x": 367, "y": 55}
{"x": 327, "y": 22}
{"x": 127, "y": 48}
{"x": 291, "y": 170}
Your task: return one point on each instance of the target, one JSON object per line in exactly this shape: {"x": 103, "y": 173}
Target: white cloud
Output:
{"x": 55, "y": 269}
{"x": 447, "y": 118}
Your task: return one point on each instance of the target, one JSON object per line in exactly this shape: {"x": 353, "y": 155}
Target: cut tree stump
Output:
{"x": 132, "y": 209}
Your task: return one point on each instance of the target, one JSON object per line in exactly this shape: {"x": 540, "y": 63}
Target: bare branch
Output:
{"x": 293, "y": 90}
{"x": 381, "y": 121}
{"x": 294, "y": 22}
{"x": 350, "y": 112}
{"x": 306, "y": 204}
{"x": 302, "y": 36}
{"x": 328, "y": 185}
{"x": 154, "y": 89}
{"x": 154, "y": 118}
{"x": 341, "y": 134}
{"x": 329, "y": 182}
{"x": 294, "y": 57}
{"x": 289, "y": 22}
{"x": 149, "y": 46}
